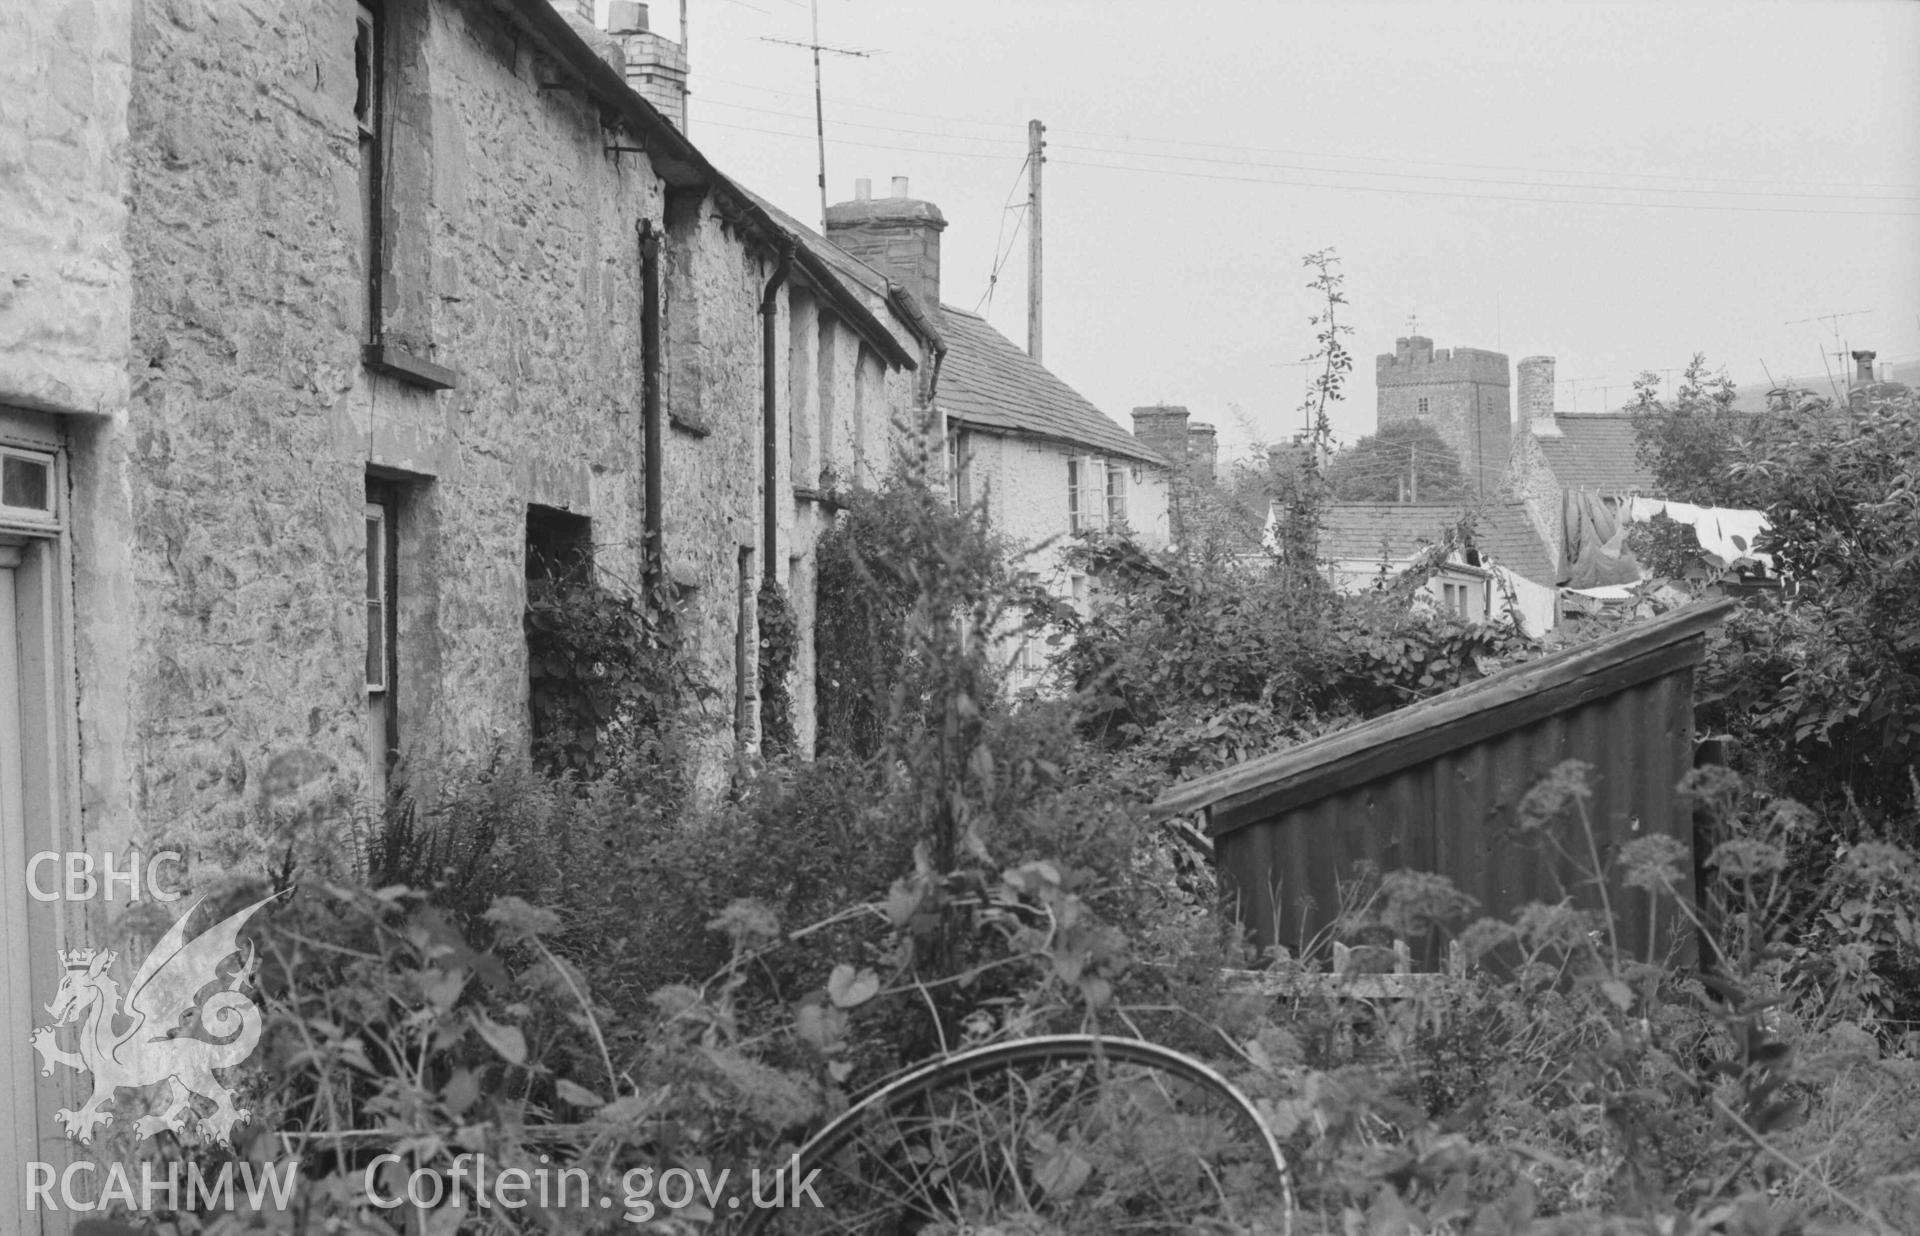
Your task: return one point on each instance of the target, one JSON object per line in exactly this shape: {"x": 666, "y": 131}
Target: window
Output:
{"x": 558, "y": 542}
{"x": 1116, "y": 494}
{"x": 960, "y": 469}
{"x": 382, "y": 579}
{"x": 366, "y": 114}
{"x": 559, "y": 550}
{"x": 26, "y": 487}
{"x": 1424, "y": 405}
{"x": 1086, "y": 503}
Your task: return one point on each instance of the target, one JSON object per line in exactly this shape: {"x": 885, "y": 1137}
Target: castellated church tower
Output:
{"x": 1462, "y": 392}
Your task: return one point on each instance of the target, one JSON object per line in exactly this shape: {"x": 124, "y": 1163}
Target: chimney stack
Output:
{"x": 656, "y": 66}
{"x": 1533, "y": 410}
{"x": 898, "y": 235}
{"x": 1163, "y": 428}
{"x": 1203, "y": 452}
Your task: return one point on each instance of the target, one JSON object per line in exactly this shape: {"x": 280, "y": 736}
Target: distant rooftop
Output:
{"x": 987, "y": 380}
{"x": 1395, "y": 531}
{"x": 1596, "y": 451}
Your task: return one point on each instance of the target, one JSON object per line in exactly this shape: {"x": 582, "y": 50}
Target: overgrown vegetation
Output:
{"x": 588, "y": 971}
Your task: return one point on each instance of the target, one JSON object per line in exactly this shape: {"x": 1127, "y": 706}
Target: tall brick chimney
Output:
{"x": 656, "y": 66}
{"x": 899, "y": 235}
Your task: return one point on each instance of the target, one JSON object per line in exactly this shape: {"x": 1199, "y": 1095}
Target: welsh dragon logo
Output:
{"x": 151, "y": 1048}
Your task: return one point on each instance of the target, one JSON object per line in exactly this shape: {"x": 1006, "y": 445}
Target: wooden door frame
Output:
{"x": 49, "y": 742}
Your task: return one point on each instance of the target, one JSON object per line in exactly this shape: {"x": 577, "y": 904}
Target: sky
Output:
{"x": 1615, "y": 185}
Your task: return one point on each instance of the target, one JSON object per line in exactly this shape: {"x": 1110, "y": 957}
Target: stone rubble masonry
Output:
{"x": 64, "y": 274}
{"x": 1534, "y": 410}
{"x": 218, "y": 534}
{"x": 1467, "y": 393}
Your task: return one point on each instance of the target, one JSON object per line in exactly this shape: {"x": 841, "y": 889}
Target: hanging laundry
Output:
{"x": 1728, "y": 533}
{"x": 1593, "y": 543}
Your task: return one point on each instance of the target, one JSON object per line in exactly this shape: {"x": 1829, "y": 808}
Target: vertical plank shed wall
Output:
{"x": 1455, "y": 814}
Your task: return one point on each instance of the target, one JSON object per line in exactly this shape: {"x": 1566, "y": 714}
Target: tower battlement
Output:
{"x": 1414, "y": 360}
{"x": 1462, "y": 392}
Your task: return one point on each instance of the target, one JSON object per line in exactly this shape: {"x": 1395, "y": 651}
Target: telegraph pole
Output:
{"x": 1034, "y": 159}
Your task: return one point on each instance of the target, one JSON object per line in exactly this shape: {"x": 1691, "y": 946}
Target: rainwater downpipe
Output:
{"x": 769, "y": 416}
{"x": 653, "y": 434}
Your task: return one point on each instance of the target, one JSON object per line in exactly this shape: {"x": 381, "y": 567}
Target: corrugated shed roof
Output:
{"x": 1595, "y": 451}
{"x": 1504, "y": 700}
{"x": 987, "y": 381}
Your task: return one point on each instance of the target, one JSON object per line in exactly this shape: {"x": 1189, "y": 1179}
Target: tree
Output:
{"x": 1690, "y": 441}
{"x": 1404, "y": 462}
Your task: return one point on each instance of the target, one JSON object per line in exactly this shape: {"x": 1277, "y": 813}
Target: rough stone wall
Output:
{"x": 254, "y": 423}
{"x": 712, "y": 476}
{"x": 1468, "y": 401}
{"x": 1530, "y": 479}
{"x": 1535, "y": 396}
{"x": 64, "y": 275}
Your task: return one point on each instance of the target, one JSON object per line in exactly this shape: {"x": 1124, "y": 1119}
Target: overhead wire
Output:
{"x": 993, "y": 277}
{"x": 1358, "y": 188}
{"x": 1292, "y": 167}
{"x": 1188, "y": 143}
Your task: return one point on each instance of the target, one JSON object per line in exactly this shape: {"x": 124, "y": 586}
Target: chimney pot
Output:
{"x": 1863, "y": 362}
{"x": 626, "y": 17}
{"x": 899, "y": 186}
{"x": 863, "y": 190}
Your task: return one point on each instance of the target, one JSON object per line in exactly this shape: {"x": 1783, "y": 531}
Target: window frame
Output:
{"x": 1116, "y": 494}
{"x": 1085, "y": 513}
{"x": 382, "y": 506}
{"x": 370, "y": 107}
{"x": 45, "y": 518}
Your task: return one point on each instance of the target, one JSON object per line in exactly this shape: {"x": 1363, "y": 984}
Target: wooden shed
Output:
{"x": 1434, "y": 787}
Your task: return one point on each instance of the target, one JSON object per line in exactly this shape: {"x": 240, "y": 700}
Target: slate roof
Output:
{"x": 1502, "y": 532}
{"x": 1360, "y": 530}
{"x": 1505, "y": 535}
{"x": 843, "y": 263}
{"x": 1595, "y": 451}
{"x": 987, "y": 381}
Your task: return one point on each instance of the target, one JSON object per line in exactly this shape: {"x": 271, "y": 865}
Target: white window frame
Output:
{"x": 41, "y": 518}
{"x": 1116, "y": 495}
{"x": 1086, "y": 497}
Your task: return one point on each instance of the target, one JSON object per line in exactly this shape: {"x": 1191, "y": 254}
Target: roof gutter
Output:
{"x": 907, "y": 305}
